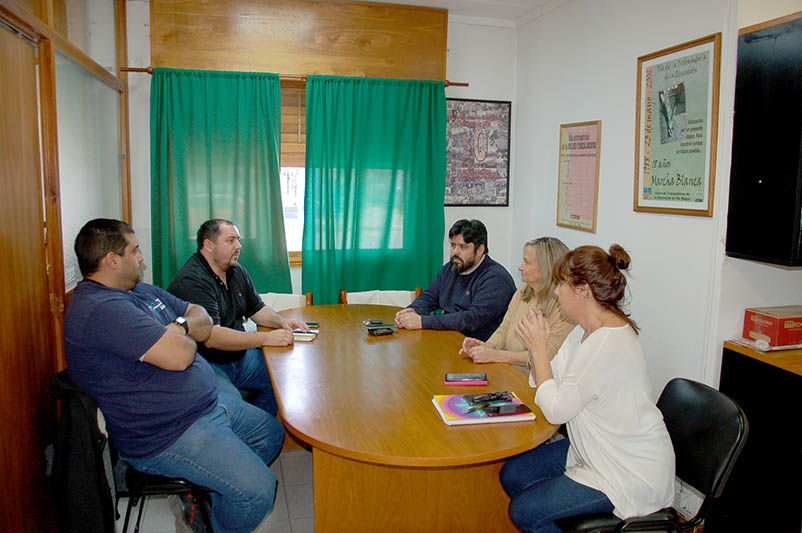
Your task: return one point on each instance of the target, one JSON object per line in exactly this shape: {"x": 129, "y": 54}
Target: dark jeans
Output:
{"x": 541, "y": 492}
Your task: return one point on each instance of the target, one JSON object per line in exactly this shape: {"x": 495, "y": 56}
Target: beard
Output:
{"x": 458, "y": 266}
{"x": 225, "y": 262}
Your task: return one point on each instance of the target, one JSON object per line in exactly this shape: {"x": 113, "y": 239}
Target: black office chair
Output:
{"x": 708, "y": 431}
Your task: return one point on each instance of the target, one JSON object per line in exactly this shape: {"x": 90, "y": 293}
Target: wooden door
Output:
{"x": 27, "y": 413}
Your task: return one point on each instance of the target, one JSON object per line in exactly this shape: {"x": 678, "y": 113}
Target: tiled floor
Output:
{"x": 292, "y": 512}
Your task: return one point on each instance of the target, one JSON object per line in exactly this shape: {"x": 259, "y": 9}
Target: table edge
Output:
{"x": 418, "y": 462}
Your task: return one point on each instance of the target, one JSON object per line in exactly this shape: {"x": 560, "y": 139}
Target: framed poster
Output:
{"x": 676, "y": 128}
{"x": 477, "y": 152}
{"x": 578, "y": 181}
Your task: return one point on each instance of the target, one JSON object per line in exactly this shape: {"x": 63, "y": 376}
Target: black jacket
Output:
{"x": 82, "y": 476}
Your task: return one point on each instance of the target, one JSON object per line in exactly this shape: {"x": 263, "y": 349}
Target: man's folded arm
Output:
{"x": 175, "y": 350}
{"x": 199, "y": 322}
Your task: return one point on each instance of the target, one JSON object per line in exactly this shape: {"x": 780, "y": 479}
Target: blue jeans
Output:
{"x": 541, "y": 492}
{"x": 227, "y": 451}
{"x": 250, "y": 372}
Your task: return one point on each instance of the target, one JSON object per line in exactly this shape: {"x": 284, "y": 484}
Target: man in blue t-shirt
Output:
{"x": 132, "y": 347}
{"x": 470, "y": 293}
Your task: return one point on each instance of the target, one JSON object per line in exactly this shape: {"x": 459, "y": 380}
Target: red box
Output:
{"x": 779, "y": 326}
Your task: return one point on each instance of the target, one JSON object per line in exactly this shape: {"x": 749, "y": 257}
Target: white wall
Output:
{"x": 138, "y": 28}
{"x": 484, "y": 56}
{"x": 752, "y": 12}
{"x": 579, "y": 63}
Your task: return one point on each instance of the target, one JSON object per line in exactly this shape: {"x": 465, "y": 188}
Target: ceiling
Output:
{"x": 507, "y": 12}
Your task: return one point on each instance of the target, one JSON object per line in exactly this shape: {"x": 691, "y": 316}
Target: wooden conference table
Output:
{"x": 383, "y": 458}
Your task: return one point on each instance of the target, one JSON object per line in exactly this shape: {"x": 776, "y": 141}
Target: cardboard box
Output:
{"x": 779, "y": 326}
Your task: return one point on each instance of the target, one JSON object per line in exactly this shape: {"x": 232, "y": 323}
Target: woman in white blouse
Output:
{"x": 618, "y": 456}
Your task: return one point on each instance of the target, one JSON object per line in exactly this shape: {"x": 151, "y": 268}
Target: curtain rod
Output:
{"x": 301, "y": 77}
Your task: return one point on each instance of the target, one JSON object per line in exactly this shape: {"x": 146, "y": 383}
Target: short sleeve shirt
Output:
{"x": 228, "y": 306}
{"x": 106, "y": 333}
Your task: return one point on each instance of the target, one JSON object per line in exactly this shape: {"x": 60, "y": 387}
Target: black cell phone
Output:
{"x": 378, "y": 332}
{"x": 375, "y": 321}
{"x": 458, "y": 376}
{"x": 497, "y": 410}
{"x": 313, "y": 324}
{"x": 502, "y": 396}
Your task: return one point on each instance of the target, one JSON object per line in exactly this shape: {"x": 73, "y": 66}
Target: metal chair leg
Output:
{"x": 142, "y": 502}
{"x": 131, "y": 500}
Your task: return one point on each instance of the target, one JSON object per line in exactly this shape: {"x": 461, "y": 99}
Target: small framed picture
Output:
{"x": 477, "y": 152}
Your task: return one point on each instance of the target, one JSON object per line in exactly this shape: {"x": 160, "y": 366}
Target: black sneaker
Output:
{"x": 188, "y": 515}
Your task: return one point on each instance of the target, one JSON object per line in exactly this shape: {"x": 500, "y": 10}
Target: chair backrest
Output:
{"x": 83, "y": 477}
{"x": 396, "y": 298}
{"x": 280, "y": 301}
{"x": 708, "y": 431}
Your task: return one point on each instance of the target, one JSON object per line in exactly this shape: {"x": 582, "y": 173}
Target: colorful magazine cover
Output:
{"x": 454, "y": 409}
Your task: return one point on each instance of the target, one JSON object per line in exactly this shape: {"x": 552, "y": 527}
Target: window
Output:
{"x": 89, "y": 154}
{"x": 293, "y": 160}
{"x": 292, "y": 199}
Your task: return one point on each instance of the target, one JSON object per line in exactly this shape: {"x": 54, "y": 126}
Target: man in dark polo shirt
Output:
{"x": 213, "y": 279}
{"x": 471, "y": 292}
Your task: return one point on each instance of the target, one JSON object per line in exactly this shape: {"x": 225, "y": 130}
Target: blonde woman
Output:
{"x": 537, "y": 292}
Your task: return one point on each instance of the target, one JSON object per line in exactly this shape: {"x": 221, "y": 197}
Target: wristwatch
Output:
{"x": 181, "y": 321}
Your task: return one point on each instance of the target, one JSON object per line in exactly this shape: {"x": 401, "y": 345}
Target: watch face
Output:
{"x": 181, "y": 321}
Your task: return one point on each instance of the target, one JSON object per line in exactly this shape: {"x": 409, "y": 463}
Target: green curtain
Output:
{"x": 375, "y": 184}
{"x": 215, "y": 152}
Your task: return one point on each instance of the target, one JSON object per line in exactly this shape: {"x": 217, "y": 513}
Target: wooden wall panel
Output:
{"x": 27, "y": 413}
{"x": 300, "y": 37}
{"x": 31, "y": 6}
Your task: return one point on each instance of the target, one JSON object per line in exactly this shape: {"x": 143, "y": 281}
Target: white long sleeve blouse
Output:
{"x": 618, "y": 441}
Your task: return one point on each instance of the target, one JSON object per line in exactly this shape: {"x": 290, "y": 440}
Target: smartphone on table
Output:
{"x": 465, "y": 378}
{"x": 500, "y": 410}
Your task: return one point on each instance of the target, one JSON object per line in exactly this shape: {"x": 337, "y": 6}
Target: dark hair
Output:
{"x": 471, "y": 230}
{"x": 602, "y": 272}
{"x": 210, "y": 229}
{"x": 97, "y": 238}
